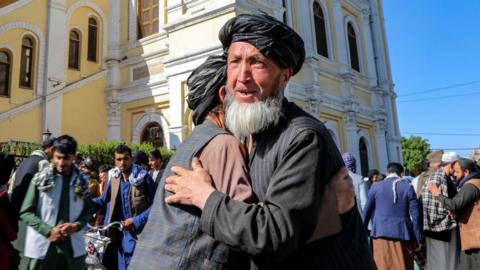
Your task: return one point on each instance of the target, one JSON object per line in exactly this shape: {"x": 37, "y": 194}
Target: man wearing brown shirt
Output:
{"x": 172, "y": 238}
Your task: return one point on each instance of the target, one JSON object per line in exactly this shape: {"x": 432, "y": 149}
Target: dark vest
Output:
{"x": 137, "y": 196}
{"x": 172, "y": 238}
{"x": 469, "y": 223}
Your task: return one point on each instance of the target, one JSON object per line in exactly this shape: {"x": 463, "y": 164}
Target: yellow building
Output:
{"x": 116, "y": 70}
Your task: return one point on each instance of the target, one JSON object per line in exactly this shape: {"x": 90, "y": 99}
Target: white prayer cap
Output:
{"x": 450, "y": 157}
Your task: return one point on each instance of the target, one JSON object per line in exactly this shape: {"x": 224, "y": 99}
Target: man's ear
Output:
{"x": 222, "y": 93}
{"x": 286, "y": 75}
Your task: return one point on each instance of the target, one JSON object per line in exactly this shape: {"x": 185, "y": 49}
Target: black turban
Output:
{"x": 271, "y": 37}
{"x": 203, "y": 85}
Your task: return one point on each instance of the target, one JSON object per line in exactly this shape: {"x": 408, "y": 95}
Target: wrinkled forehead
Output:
{"x": 244, "y": 48}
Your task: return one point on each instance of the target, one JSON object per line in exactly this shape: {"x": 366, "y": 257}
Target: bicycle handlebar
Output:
{"x": 115, "y": 224}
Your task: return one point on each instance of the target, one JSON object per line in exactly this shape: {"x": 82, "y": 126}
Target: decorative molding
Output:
{"x": 350, "y": 120}
{"x": 38, "y": 34}
{"x": 151, "y": 116}
{"x": 324, "y": 99}
{"x": 160, "y": 52}
{"x": 171, "y": 63}
{"x": 67, "y": 89}
{"x": 380, "y": 126}
{"x": 12, "y": 7}
{"x": 144, "y": 90}
{"x": 20, "y": 109}
{"x": 8, "y": 47}
{"x": 332, "y": 128}
{"x": 189, "y": 20}
{"x": 152, "y": 39}
{"x": 354, "y": 3}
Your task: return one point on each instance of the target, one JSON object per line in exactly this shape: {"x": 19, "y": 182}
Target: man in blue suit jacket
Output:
{"x": 396, "y": 220}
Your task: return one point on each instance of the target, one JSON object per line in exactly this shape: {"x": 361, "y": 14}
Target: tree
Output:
{"x": 415, "y": 149}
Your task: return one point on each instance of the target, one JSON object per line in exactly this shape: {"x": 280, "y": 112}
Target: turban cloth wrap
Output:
{"x": 271, "y": 37}
{"x": 203, "y": 85}
{"x": 350, "y": 161}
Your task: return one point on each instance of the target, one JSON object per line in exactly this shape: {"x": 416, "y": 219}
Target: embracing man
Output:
{"x": 292, "y": 158}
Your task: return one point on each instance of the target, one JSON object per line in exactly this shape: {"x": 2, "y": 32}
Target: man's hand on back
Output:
{"x": 190, "y": 187}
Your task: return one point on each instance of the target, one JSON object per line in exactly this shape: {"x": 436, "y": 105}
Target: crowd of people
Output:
{"x": 259, "y": 184}
{"x": 427, "y": 222}
{"x": 55, "y": 192}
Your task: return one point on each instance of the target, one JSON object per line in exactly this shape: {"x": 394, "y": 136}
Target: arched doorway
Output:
{"x": 153, "y": 133}
{"x": 362, "y": 147}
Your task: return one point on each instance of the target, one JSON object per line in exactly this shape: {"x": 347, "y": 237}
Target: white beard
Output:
{"x": 244, "y": 119}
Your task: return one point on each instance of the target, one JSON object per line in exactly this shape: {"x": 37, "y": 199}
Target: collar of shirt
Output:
{"x": 468, "y": 177}
{"x": 392, "y": 175}
{"x": 136, "y": 177}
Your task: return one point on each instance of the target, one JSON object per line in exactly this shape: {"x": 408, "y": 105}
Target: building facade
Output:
{"x": 116, "y": 70}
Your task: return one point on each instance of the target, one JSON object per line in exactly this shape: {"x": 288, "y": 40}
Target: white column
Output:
{"x": 385, "y": 83}
{"x": 350, "y": 122}
{"x": 305, "y": 31}
{"x": 161, "y": 15}
{"x": 393, "y": 129}
{"x": 132, "y": 20}
{"x": 370, "y": 55}
{"x": 378, "y": 44}
{"x": 55, "y": 66}
{"x": 340, "y": 36}
{"x": 113, "y": 74}
{"x": 382, "y": 154}
{"x": 176, "y": 111}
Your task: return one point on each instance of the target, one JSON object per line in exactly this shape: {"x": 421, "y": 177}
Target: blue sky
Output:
{"x": 436, "y": 44}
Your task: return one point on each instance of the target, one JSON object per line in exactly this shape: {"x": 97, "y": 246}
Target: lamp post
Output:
{"x": 46, "y": 135}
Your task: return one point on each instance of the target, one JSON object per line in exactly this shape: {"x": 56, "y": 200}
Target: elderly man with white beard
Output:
{"x": 292, "y": 158}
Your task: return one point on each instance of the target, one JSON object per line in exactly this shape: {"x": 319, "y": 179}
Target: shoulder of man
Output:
{"x": 475, "y": 182}
{"x": 296, "y": 121}
{"x": 44, "y": 175}
{"x": 299, "y": 119}
{"x": 437, "y": 175}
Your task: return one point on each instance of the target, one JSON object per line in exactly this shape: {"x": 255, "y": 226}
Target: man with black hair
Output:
{"x": 140, "y": 158}
{"x": 56, "y": 208}
{"x": 26, "y": 170}
{"x": 155, "y": 160}
{"x": 89, "y": 168}
{"x": 9, "y": 258}
{"x": 163, "y": 246}
{"x": 465, "y": 205}
{"x": 130, "y": 191}
{"x": 292, "y": 161}
{"x": 23, "y": 176}
{"x": 439, "y": 228}
{"x": 395, "y": 211}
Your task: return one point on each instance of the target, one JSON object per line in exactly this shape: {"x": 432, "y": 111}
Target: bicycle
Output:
{"x": 96, "y": 244}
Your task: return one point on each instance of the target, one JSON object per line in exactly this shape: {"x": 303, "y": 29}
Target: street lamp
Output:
{"x": 46, "y": 135}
